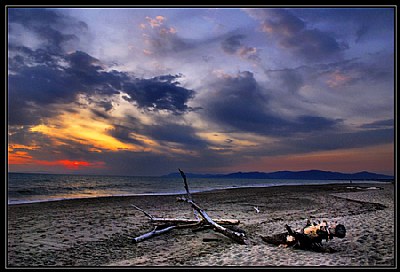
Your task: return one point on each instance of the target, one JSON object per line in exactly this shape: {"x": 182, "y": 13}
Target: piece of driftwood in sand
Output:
{"x": 309, "y": 238}
{"x": 203, "y": 221}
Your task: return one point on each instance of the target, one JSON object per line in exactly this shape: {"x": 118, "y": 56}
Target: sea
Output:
{"x": 30, "y": 188}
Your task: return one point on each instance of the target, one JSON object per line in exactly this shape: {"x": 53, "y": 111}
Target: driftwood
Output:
{"x": 152, "y": 233}
{"x": 166, "y": 220}
{"x": 309, "y": 238}
{"x": 202, "y": 221}
{"x": 239, "y": 237}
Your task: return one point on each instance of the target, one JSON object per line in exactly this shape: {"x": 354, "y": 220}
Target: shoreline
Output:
{"x": 361, "y": 182}
{"x": 99, "y": 231}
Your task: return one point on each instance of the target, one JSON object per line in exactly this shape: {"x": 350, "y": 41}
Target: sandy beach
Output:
{"x": 98, "y": 232}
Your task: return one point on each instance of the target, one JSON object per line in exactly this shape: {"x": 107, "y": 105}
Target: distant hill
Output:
{"x": 309, "y": 174}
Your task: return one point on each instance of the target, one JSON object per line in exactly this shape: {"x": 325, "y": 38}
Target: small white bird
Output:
{"x": 257, "y": 209}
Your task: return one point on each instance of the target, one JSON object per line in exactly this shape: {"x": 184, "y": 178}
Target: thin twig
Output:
{"x": 143, "y": 211}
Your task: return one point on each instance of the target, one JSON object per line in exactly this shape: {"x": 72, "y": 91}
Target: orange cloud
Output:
{"x": 82, "y": 128}
{"x": 23, "y": 158}
{"x": 156, "y": 22}
{"x": 72, "y": 165}
{"x": 12, "y": 147}
{"x": 19, "y": 157}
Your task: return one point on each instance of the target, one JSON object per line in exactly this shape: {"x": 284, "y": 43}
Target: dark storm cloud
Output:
{"x": 241, "y": 104}
{"x": 379, "y": 124}
{"x": 45, "y": 76}
{"x": 47, "y": 24}
{"x": 21, "y": 56}
{"x": 41, "y": 84}
{"x": 22, "y": 135}
{"x": 43, "y": 79}
{"x": 58, "y": 79}
{"x": 164, "y": 133}
{"x": 293, "y": 33}
{"x": 337, "y": 140}
{"x": 312, "y": 44}
{"x": 124, "y": 133}
{"x": 159, "y": 93}
{"x": 363, "y": 23}
{"x": 89, "y": 74}
{"x": 181, "y": 134}
{"x": 323, "y": 140}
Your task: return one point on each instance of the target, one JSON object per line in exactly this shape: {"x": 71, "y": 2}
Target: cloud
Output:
{"x": 359, "y": 24}
{"x": 271, "y": 110}
{"x": 125, "y": 133}
{"x": 156, "y": 22}
{"x": 293, "y": 34}
{"x": 233, "y": 46}
{"x": 240, "y": 103}
{"x": 159, "y": 93}
{"x": 161, "y": 39}
{"x": 53, "y": 30}
{"x": 379, "y": 124}
{"x": 341, "y": 140}
{"x": 181, "y": 134}
{"x": 40, "y": 79}
{"x": 280, "y": 21}
{"x": 288, "y": 80}
{"x": 312, "y": 44}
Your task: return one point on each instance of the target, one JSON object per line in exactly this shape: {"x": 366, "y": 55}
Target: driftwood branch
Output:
{"x": 201, "y": 222}
{"x": 189, "y": 195}
{"x": 174, "y": 221}
{"x": 143, "y": 211}
{"x": 239, "y": 237}
{"x": 220, "y": 221}
{"x": 152, "y": 233}
{"x": 236, "y": 236}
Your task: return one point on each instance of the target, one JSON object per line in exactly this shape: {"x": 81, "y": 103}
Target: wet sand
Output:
{"x": 99, "y": 232}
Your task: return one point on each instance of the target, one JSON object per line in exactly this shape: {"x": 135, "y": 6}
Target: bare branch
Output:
{"x": 152, "y": 233}
{"x": 143, "y": 211}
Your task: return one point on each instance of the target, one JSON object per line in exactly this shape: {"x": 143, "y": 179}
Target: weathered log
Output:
{"x": 310, "y": 238}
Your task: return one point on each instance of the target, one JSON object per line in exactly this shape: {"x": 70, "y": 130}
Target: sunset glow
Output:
{"x": 129, "y": 91}
{"x": 83, "y": 130}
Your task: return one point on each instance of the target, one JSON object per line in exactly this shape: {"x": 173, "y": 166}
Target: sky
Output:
{"x": 145, "y": 91}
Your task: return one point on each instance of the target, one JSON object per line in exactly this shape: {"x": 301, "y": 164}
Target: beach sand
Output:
{"x": 99, "y": 231}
